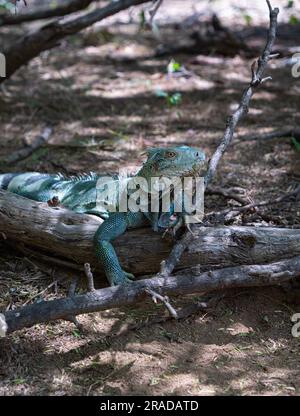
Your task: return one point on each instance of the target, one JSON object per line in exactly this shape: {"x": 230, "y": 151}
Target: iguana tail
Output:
{"x": 5, "y": 179}
{"x": 15, "y": 182}
{"x": 77, "y": 193}
{"x": 32, "y": 185}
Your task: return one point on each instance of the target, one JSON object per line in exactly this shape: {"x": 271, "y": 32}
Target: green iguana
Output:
{"x": 81, "y": 194}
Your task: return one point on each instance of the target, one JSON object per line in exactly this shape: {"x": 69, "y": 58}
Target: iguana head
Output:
{"x": 174, "y": 161}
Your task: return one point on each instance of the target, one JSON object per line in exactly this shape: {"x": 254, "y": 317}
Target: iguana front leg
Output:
{"x": 114, "y": 226}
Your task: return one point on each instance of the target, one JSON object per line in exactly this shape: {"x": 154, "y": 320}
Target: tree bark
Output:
{"x": 58, "y": 232}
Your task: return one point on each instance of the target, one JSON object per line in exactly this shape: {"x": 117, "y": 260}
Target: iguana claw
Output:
{"x": 129, "y": 276}
{"x": 125, "y": 279}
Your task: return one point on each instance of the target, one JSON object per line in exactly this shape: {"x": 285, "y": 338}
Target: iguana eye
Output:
{"x": 170, "y": 155}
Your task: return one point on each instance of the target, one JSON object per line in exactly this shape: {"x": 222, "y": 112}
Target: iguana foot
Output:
{"x": 129, "y": 276}
{"x": 179, "y": 222}
{"x": 122, "y": 279}
{"x": 175, "y": 224}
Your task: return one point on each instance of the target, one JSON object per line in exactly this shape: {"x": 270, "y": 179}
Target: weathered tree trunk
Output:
{"x": 58, "y": 232}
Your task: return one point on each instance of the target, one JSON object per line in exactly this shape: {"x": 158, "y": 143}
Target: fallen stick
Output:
{"x": 226, "y": 193}
{"x": 23, "y": 153}
{"x": 116, "y": 296}
{"x": 275, "y": 134}
{"x": 230, "y": 213}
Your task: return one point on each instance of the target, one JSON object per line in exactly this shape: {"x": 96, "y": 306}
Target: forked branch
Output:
{"x": 258, "y": 68}
{"x": 113, "y": 297}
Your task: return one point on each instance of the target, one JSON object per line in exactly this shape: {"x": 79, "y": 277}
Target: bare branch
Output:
{"x": 49, "y": 35}
{"x": 73, "y": 286}
{"x": 164, "y": 299}
{"x": 257, "y": 69}
{"x": 60, "y": 10}
{"x": 226, "y": 193}
{"x": 39, "y": 141}
{"x": 72, "y": 292}
{"x": 288, "y": 132}
{"x": 116, "y": 296}
{"x": 232, "y": 212}
{"x": 153, "y": 11}
{"x": 168, "y": 265}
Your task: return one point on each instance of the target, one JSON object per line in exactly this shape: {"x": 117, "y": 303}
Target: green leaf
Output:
{"x": 76, "y": 333}
{"x": 248, "y": 19}
{"x": 174, "y": 99}
{"x": 142, "y": 19}
{"x": 290, "y": 4}
{"x": 18, "y": 381}
{"x": 294, "y": 20}
{"x": 296, "y": 144}
{"x": 173, "y": 66}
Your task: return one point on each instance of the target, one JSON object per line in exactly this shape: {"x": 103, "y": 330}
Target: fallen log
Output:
{"x": 59, "y": 234}
{"x": 116, "y": 296}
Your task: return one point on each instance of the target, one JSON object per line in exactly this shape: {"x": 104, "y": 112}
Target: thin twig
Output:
{"x": 73, "y": 286}
{"x": 164, "y": 299}
{"x": 55, "y": 261}
{"x": 72, "y": 292}
{"x": 226, "y": 193}
{"x": 234, "y": 211}
{"x": 258, "y": 67}
{"x": 40, "y": 293}
{"x": 167, "y": 266}
{"x": 90, "y": 277}
{"x": 153, "y": 11}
